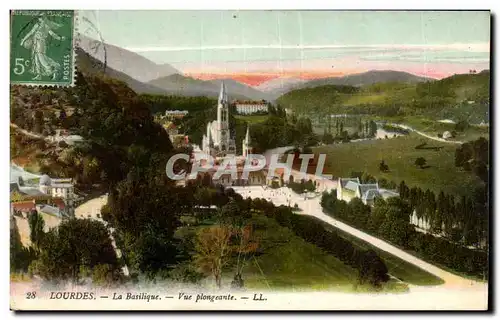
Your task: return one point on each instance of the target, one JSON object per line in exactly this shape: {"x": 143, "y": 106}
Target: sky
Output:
{"x": 306, "y": 44}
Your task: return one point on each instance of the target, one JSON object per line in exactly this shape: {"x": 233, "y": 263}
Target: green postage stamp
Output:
{"x": 42, "y": 47}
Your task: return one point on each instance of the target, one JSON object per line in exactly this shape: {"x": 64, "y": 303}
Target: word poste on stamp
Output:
{"x": 42, "y": 47}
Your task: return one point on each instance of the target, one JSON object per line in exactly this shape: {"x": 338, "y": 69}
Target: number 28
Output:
{"x": 31, "y": 295}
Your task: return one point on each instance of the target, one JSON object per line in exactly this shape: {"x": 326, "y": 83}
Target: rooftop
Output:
{"x": 344, "y": 181}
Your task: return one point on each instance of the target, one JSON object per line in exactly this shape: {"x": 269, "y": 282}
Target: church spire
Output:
{"x": 247, "y": 137}
{"x": 210, "y": 139}
{"x": 222, "y": 93}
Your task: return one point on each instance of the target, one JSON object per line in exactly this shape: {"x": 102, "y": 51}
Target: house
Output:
{"x": 350, "y": 188}
{"x": 347, "y": 188}
{"x": 447, "y": 135}
{"x": 50, "y": 193}
{"x": 175, "y": 114}
{"x": 58, "y": 188}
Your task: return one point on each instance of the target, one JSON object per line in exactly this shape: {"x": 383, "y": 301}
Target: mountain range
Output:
{"x": 130, "y": 63}
{"x": 277, "y": 87}
{"x": 146, "y": 76}
{"x": 88, "y": 64}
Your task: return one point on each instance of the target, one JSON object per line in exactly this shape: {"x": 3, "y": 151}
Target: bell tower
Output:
{"x": 247, "y": 144}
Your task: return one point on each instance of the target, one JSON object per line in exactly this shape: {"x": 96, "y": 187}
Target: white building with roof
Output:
{"x": 250, "y": 107}
{"x": 350, "y": 188}
{"x": 172, "y": 114}
{"x": 58, "y": 188}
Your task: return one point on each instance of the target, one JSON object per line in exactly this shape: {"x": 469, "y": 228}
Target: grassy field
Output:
{"x": 400, "y": 154}
{"x": 286, "y": 262}
{"x": 290, "y": 263}
{"x": 252, "y": 118}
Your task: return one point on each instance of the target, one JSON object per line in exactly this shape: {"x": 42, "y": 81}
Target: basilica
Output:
{"x": 219, "y": 140}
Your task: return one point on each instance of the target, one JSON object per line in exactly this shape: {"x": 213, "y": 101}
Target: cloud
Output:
{"x": 430, "y": 56}
{"x": 473, "y": 47}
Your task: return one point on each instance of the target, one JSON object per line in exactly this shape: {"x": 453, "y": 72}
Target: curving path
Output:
{"x": 311, "y": 206}
{"x": 423, "y": 134}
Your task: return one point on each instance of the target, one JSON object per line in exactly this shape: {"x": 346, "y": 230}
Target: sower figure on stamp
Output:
{"x": 36, "y": 41}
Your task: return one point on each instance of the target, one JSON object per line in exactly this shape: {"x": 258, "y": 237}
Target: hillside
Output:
{"x": 130, "y": 63}
{"x": 367, "y": 78}
{"x": 90, "y": 65}
{"x": 276, "y": 87}
{"x": 177, "y": 84}
{"x": 234, "y": 87}
{"x": 464, "y": 96}
{"x": 110, "y": 117}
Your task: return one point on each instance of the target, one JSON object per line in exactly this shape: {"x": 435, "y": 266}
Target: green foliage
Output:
{"x": 20, "y": 257}
{"x": 383, "y": 167}
{"x": 372, "y": 269}
{"x": 186, "y": 273}
{"x": 154, "y": 252}
{"x": 302, "y": 186}
{"x": 432, "y": 98}
{"x": 420, "y": 162}
{"x": 461, "y": 125}
{"x": 76, "y": 245}
{"x": 160, "y": 103}
{"x": 474, "y": 155}
{"x": 327, "y": 138}
{"x": 313, "y": 230}
{"x": 36, "y": 224}
{"x": 105, "y": 275}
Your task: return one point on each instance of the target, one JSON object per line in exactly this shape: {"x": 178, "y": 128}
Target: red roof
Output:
{"x": 57, "y": 202}
{"x": 24, "y": 205}
{"x": 28, "y": 205}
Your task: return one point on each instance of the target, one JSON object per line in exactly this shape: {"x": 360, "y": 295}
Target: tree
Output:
{"x": 20, "y": 257}
{"x": 154, "y": 252}
{"x": 76, "y": 245}
{"x": 404, "y": 190}
{"x": 327, "y": 138}
{"x": 383, "y": 166}
{"x": 420, "y": 162}
{"x": 359, "y": 213}
{"x": 481, "y": 170}
{"x": 461, "y": 125}
{"x": 213, "y": 250}
{"x": 372, "y": 269}
{"x": 38, "y": 121}
{"x": 36, "y": 223}
{"x": 246, "y": 245}
{"x": 309, "y": 186}
{"x": 373, "y": 128}
{"x": 105, "y": 275}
